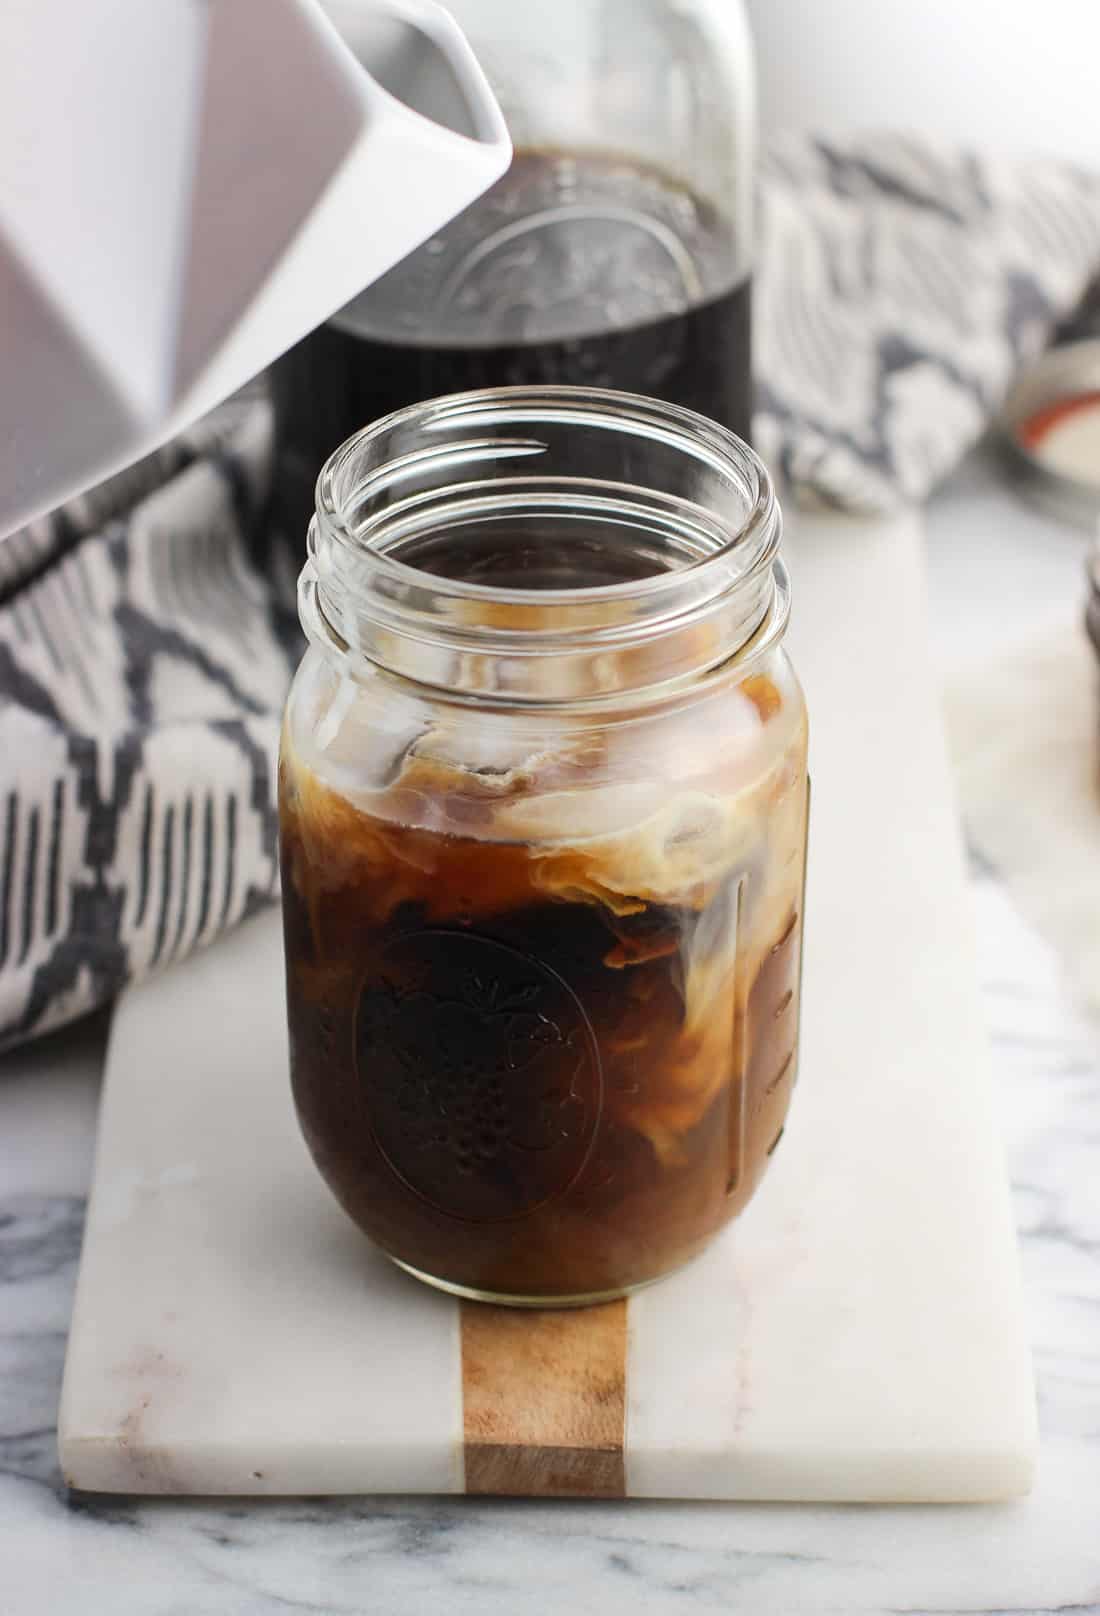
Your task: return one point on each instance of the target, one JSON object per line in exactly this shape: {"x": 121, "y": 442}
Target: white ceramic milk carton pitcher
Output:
{"x": 189, "y": 186}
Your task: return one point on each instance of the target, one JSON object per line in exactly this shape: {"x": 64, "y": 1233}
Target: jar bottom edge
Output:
{"x": 470, "y": 1293}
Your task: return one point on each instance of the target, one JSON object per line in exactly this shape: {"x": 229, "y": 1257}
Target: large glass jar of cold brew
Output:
{"x": 543, "y": 798}
{"x": 616, "y": 252}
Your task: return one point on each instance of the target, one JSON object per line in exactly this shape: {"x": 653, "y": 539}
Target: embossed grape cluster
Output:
{"x": 461, "y": 1060}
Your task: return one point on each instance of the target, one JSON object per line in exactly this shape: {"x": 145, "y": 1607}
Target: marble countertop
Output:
{"x": 995, "y": 570}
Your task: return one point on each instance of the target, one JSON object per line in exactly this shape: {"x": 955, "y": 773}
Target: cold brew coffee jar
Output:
{"x": 616, "y": 252}
{"x": 543, "y": 798}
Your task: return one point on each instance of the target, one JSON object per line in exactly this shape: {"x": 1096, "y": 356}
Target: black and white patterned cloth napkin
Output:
{"x": 145, "y": 647}
{"x": 900, "y": 289}
{"x": 144, "y": 658}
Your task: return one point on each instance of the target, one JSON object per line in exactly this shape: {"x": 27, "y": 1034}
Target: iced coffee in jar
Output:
{"x": 543, "y": 796}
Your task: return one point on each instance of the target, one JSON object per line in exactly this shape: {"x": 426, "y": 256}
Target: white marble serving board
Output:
{"x": 857, "y": 1335}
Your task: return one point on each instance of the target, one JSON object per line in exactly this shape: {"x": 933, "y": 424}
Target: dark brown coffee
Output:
{"x": 515, "y": 1076}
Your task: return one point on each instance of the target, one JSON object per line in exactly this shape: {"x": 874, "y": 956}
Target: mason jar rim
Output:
{"x": 580, "y": 406}
{"x": 399, "y": 615}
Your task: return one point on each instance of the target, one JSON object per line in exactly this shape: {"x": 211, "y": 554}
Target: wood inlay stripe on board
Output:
{"x": 544, "y": 1400}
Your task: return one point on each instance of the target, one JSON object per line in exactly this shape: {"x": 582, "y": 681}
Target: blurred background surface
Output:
{"x": 1000, "y": 74}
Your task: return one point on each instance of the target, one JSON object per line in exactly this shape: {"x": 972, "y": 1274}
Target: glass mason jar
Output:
{"x": 616, "y": 252}
{"x": 543, "y": 800}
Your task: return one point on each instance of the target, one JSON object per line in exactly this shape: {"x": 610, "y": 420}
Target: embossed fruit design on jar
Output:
{"x": 484, "y": 1073}
{"x": 543, "y": 798}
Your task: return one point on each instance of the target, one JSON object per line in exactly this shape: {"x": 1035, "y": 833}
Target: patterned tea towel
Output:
{"x": 899, "y": 290}
{"x": 145, "y": 653}
{"x": 144, "y": 660}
